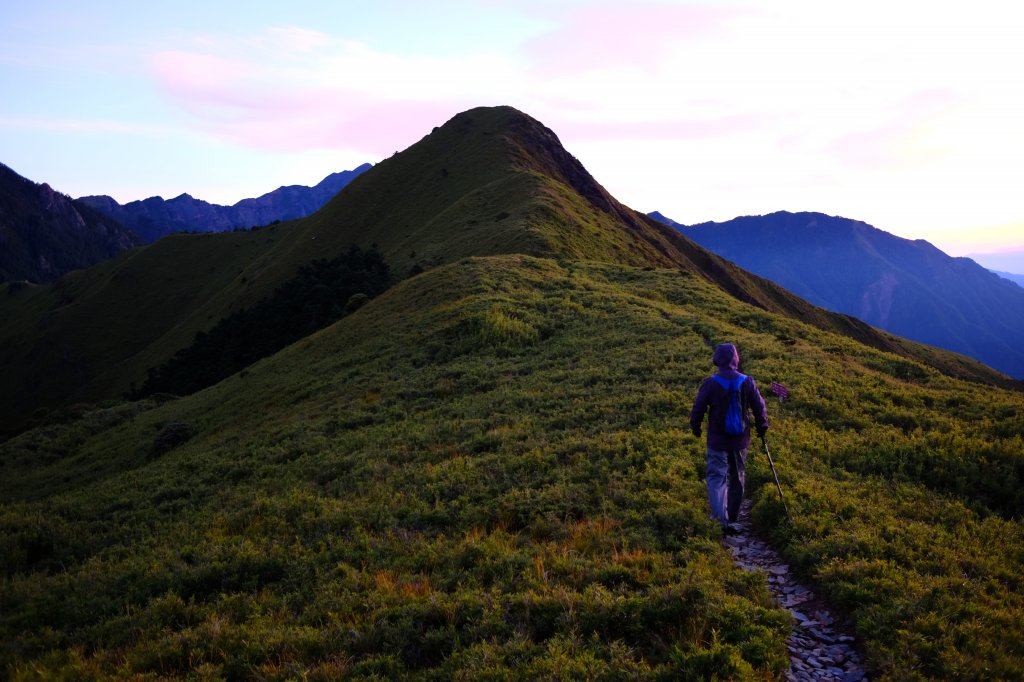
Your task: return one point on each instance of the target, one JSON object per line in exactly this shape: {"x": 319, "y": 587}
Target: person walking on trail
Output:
{"x": 727, "y": 398}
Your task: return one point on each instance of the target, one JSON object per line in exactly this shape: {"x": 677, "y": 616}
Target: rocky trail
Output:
{"x": 818, "y": 648}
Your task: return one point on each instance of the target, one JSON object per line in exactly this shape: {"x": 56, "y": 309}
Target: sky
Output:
{"x": 907, "y": 115}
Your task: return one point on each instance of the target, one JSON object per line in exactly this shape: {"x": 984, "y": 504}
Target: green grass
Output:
{"x": 81, "y": 338}
{"x": 486, "y": 473}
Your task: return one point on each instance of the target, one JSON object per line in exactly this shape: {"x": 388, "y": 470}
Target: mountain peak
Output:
{"x": 493, "y": 180}
{"x": 537, "y": 149}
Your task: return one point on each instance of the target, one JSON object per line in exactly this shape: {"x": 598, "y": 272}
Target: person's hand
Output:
{"x": 696, "y": 432}
{"x": 761, "y": 432}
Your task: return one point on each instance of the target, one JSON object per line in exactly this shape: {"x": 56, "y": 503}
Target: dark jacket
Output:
{"x": 713, "y": 400}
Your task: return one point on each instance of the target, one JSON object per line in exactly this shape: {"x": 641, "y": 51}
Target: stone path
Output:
{"x": 818, "y": 648}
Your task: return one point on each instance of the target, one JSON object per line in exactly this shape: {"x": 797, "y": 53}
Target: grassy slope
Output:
{"x": 489, "y": 181}
{"x": 487, "y": 469}
{"x": 91, "y": 335}
{"x": 94, "y": 331}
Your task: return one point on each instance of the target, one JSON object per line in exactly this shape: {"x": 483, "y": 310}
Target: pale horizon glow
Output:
{"x": 903, "y": 115}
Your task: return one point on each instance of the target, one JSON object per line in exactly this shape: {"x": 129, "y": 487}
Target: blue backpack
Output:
{"x": 735, "y": 423}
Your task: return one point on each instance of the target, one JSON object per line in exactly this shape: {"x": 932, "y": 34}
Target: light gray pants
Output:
{"x": 727, "y": 477}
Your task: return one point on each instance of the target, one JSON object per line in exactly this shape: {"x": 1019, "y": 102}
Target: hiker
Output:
{"x": 728, "y": 438}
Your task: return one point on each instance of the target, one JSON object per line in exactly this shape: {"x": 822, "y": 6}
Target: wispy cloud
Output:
{"x": 88, "y": 126}
{"x": 905, "y": 138}
{"x": 307, "y": 91}
{"x": 595, "y": 72}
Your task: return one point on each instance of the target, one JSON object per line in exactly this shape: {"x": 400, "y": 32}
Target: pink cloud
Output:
{"x": 615, "y": 35}
{"x": 293, "y": 89}
{"x": 373, "y": 127}
{"x": 238, "y": 101}
{"x": 190, "y": 71}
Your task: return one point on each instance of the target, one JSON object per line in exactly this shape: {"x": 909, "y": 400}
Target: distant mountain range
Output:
{"x": 1019, "y": 279}
{"x": 1010, "y": 260}
{"x": 44, "y": 233}
{"x": 156, "y": 217}
{"x": 909, "y": 288}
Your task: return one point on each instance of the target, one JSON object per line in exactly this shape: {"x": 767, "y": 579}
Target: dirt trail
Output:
{"x": 818, "y": 648}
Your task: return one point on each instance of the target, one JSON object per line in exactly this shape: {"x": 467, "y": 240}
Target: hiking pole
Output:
{"x": 764, "y": 442}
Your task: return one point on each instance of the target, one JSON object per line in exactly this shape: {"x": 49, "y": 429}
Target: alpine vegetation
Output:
{"x": 486, "y": 471}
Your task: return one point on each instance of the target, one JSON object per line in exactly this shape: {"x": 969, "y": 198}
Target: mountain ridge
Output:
{"x": 907, "y": 287}
{"x": 1013, "y": 277}
{"x": 1008, "y": 260}
{"x": 156, "y": 217}
{"x": 490, "y": 181}
{"x": 44, "y": 234}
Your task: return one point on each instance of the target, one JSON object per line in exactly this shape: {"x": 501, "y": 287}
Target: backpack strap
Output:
{"x": 729, "y": 384}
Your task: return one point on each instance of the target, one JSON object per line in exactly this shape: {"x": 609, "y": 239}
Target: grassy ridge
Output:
{"x": 83, "y": 337}
{"x": 485, "y": 472}
{"x": 490, "y": 181}
{"x": 321, "y": 294}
